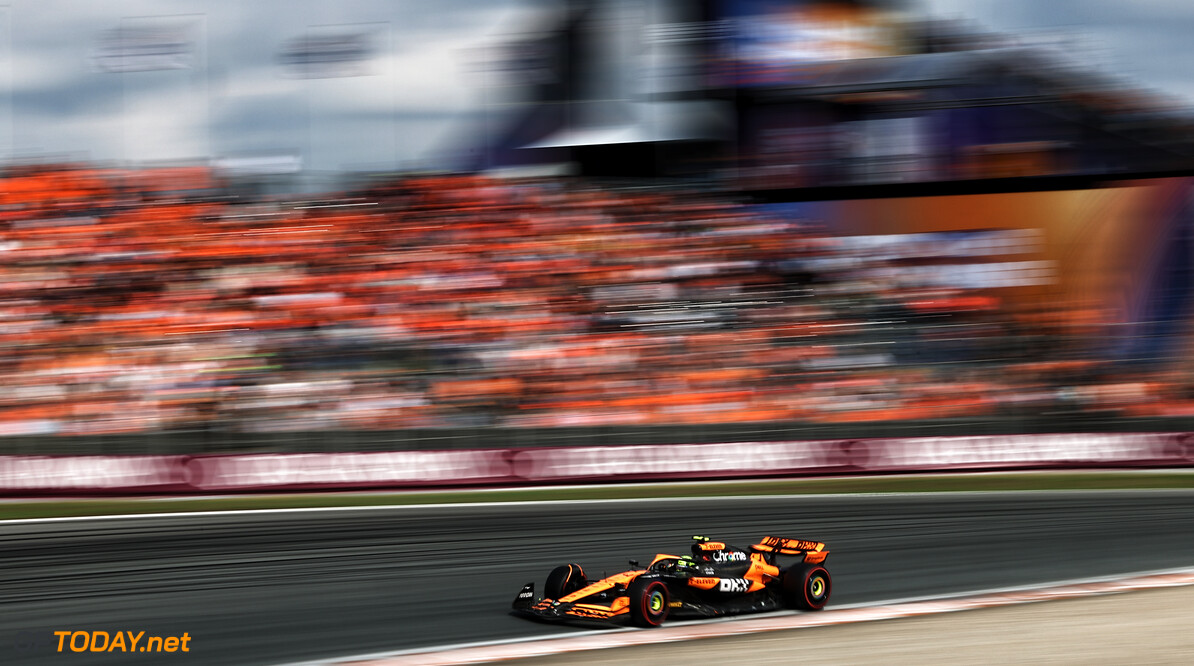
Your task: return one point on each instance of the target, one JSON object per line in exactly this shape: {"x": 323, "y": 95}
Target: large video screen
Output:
{"x": 785, "y": 42}
{"x": 1121, "y": 249}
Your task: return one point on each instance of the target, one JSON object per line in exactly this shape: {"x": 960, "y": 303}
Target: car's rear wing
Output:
{"x": 813, "y": 551}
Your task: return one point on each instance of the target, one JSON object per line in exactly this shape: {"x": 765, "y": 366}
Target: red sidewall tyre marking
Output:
{"x": 654, "y": 618}
{"x": 806, "y": 585}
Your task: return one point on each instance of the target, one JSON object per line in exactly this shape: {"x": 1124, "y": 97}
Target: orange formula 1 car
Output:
{"x": 717, "y": 579}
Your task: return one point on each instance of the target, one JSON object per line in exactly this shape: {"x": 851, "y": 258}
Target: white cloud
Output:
{"x": 428, "y": 80}
{"x": 97, "y": 137}
{"x": 166, "y": 127}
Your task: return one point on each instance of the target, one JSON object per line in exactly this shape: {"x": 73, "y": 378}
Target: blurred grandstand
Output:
{"x": 659, "y": 295}
{"x": 143, "y": 302}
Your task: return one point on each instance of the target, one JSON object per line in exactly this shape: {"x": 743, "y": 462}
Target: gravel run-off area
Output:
{"x": 1145, "y": 627}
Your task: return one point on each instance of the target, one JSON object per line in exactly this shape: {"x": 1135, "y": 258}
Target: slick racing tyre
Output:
{"x": 564, "y": 580}
{"x": 807, "y": 587}
{"x": 648, "y": 602}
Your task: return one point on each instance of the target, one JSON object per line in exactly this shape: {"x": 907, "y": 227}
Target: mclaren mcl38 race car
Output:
{"x": 716, "y": 579}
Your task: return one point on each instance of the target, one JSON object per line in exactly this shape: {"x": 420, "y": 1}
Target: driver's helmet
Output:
{"x": 683, "y": 565}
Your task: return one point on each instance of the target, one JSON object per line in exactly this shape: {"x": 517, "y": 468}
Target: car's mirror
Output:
{"x": 635, "y": 564}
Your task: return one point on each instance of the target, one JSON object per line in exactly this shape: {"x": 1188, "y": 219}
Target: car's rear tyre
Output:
{"x": 564, "y": 580}
{"x": 807, "y": 587}
{"x": 648, "y": 602}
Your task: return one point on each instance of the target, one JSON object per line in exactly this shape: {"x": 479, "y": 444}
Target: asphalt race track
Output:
{"x": 276, "y": 587}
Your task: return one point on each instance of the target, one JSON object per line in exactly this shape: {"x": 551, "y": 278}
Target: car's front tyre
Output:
{"x": 649, "y": 601}
{"x": 564, "y": 580}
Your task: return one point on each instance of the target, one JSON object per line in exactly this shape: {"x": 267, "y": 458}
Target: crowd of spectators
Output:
{"x": 152, "y": 300}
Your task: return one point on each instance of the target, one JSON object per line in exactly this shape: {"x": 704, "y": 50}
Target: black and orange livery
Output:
{"x": 716, "y": 579}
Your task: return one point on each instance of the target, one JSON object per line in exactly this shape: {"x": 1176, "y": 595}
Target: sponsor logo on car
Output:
{"x": 795, "y": 544}
{"x": 733, "y": 585}
{"x": 729, "y": 556}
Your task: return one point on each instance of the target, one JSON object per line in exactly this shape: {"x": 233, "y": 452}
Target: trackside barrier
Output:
{"x": 23, "y": 475}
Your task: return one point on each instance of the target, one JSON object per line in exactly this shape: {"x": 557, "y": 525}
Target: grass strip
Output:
{"x": 920, "y": 483}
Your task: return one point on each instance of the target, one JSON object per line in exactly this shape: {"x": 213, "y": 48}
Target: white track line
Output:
{"x": 406, "y": 507}
{"x": 504, "y": 650}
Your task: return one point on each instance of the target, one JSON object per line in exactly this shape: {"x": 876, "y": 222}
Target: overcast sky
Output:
{"x": 237, "y": 99}
{"x": 1147, "y": 40}
{"x": 419, "y": 92}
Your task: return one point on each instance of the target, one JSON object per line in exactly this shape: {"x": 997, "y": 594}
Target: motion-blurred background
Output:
{"x": 369, "y": 225}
